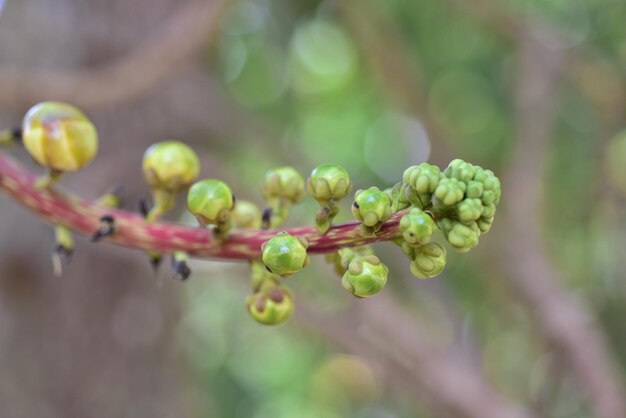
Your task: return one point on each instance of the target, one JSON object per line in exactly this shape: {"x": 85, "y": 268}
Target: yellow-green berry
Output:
{"x": 328, "y": 182}
{"x": 246, "y": 215}
{"x": 365, "y": 276}
{"x": 285, "y": 254}
{"x": 371, "y": 207}
{"x": 283, "y": 183}
{"x": 461, "y": 236}
{"x": 210, "y": 201}
{"x": 170, "y": 165}
{"x": 424, "y": 178}
{"x": 271, "y": 306}
{"x": 429, "y": 261}
{"x": 59, "y": 136}
{"x": 460, "y": 170}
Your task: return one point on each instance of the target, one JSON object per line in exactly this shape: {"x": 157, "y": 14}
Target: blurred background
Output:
{"x": 529, "y": 324}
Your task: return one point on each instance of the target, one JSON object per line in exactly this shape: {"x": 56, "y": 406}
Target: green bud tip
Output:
{"x": 417, "y": 227}
{"x": 271, "y": 306}
{"x": 210, "y": 201}
{"x": 285, "y": 254}
{"x": 246, "y": 215}
{"x": 365, "y": 276}
{"x": 328, "y": 182}
{"x": 59, "y": 136}
{"x": 283, "y": 183}
{"x": 170, "y": 165}
{"x": 450, "y": 191}
{"x": 371, "y": 206}
{"x": 429, "y": 261}
{"x": 423, "y": 178}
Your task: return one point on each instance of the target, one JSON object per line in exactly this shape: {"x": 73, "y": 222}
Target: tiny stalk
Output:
{"x": 456, "y": 205}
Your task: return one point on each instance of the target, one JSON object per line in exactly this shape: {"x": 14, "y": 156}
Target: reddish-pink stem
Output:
{"x": 83, "y": 216}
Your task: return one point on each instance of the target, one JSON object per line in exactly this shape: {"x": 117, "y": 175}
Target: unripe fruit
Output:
{"x": 210, "y": 201}
{"x": 461, "y": 236}
{"x": 170, "y": 165}
{"x": 328, "y": 182}
{"x": 365, "y": 276}
{"x": 417, "y": 227}
{"x": 371, "y": 206}
{"x": 59, "y": 136}
{"x": 469, "y": 209}
{"x": 460, "y": 170}
{"x": 423, "y": 178}
{"x": 285, "y": 254}
{"x": 271, "y": 306}
{"x": 429, "y": 261}
{"x": 246, "y": 215}
{"x": 283, "y": 183}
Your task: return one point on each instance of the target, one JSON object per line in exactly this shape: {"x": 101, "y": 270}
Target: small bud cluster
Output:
{"x": 459, "y": 201}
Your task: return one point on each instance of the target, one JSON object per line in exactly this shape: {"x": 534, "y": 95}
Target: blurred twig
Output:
{"x": 562, "y": 317}
{"x": 380, "y": 331}
{"x": 162, "y": 53}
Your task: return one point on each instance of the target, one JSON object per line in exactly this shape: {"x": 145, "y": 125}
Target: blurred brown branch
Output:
{"x": 162, "y": 53}
{"x": 380, "y": 331}
{"x": 559, "y": 314}
{"x": 563, "y": 319}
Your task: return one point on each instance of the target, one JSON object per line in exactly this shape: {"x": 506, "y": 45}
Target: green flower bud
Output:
{"x": 424, "y": 178}
{"x": 170, "y": 165}
{"x": 429, "y": 261}
{"x": 285, "y": 254}
{"x": 59, "y": 136}
{"x": 489, "y": 210}
{"x": 491, "y": 185}
{"x": 463, "y": 237}
{"x": 450, "y": 191}
{"x": 328, "y": 182}
{"x": 417, "y": 227}
{"x": 484, "y": 224}
{"x": 397, "y": 195}
{"x": 474, "y": 189}
{"x": 246, "y": 215}
{"x": 283, "y": 183}
{"x": 371, "y": 207}
{"x": 210, "y": 201}
{"x": 271, "y": 306}
{"x": 469, "y": 210}
{"x": 365, "y": 276}
{"x": 460, "y": 170}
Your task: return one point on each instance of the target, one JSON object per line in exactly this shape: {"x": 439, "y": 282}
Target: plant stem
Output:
{"x": 83, "y": 216}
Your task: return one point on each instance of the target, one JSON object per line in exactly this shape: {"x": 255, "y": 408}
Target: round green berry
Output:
{"x": 59, "y": 136}
{"x": 328, "y": 182}
{"x": 283, "y": 183}
{"x": 285, "y": 254}
{"x": 210, "y": 201}
{"x": 365, "y": 276}
{"x": 429, "y": 261}
{"x": 170, "y": 165}
{"x": 271, "y": 306}
{"x": 417, "y": 227}
{"x": 371, "y": 206}
{"x": 246, "y": 215}
{"x": 461, "y": 236}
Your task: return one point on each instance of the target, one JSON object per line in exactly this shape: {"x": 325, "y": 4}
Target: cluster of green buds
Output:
{"x": 459, "y": 201}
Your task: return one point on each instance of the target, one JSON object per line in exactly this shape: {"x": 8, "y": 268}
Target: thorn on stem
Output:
{"x": 144, "y": 207}
{"x": 266, "y": 218}
{"x": 61, "y": 255}
{"x": 181, "y": 270}
{"x": 107, "y": 228}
